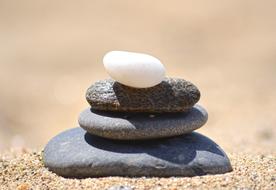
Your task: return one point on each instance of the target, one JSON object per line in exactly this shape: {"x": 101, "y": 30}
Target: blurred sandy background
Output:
{"x": 51, "y": 51}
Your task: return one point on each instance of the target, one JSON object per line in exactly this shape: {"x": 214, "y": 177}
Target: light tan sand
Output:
{"x": 25, "y": 171}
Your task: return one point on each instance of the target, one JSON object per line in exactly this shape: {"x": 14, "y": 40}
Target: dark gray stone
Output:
{"x": 171, "y": 95}
{"x": 133, "y": 126}
{"x": 76, "y": 153}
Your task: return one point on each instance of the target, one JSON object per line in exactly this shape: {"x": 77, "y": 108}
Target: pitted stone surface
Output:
{"x": 171, "y": 95}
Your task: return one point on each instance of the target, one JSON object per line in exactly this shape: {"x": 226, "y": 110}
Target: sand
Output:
{"x": 24, "y": 170}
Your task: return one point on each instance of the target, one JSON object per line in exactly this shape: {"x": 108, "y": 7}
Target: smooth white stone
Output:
{"x": 136, "y": 70}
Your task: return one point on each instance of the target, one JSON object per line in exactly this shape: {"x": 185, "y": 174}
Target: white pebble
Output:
{"x": 137, "y": 70}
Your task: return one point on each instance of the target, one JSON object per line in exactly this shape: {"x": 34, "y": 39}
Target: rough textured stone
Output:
{"x": 171, "y": 95}
{"x": 76, "y": 153}
{"x": 131, "y": 126}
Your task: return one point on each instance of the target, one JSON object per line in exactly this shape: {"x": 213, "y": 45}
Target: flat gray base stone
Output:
{"x": 133, "y": 126}
{"x": 76, "y": 153}
{"x": 171, "y": 95}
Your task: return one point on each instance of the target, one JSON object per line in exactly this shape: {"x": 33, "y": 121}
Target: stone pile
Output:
{"x": 140, "y": 123}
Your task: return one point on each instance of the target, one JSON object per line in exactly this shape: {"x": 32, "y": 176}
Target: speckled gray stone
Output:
{"x": 132, "y": 126}
{"x": 171, "y": 95}
{"x": 76, "y": 153}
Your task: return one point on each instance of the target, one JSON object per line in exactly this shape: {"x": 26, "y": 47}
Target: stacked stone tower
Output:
{"x": 139, "y": 123}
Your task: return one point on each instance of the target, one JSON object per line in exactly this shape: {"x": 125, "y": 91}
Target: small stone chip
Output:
{"x": 120, "y": 187}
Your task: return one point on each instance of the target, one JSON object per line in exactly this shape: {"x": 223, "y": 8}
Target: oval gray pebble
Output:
{"x": 76, "y": 153}
{"x": 133, "y": 126}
